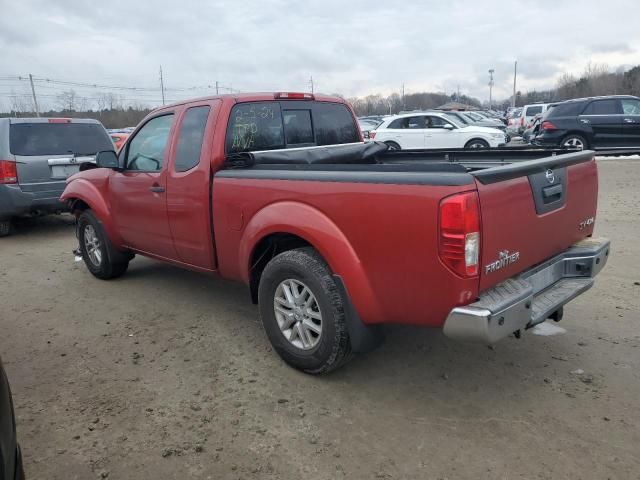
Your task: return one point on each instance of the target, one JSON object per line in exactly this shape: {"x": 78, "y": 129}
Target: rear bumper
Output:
{"x": 530, "y": 298}
{"x": 15, "y": 202}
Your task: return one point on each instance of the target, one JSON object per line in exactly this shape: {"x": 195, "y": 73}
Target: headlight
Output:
{"x": 497, "y": 135}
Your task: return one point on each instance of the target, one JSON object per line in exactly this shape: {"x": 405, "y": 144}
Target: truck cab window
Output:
{"x": 190, "y": 138}
{"x": 146, "y": 150}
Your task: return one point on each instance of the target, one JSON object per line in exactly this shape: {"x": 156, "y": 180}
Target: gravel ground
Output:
{"x": 167, "y": 374}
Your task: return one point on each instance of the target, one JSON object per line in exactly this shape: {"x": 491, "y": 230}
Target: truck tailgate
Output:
{"x": 533, "y": 210}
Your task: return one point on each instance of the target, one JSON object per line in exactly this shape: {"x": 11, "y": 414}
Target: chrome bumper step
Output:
{"x": 531, "y": 297}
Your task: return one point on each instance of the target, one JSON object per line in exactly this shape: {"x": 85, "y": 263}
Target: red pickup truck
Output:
{"x": 335, "y": 237}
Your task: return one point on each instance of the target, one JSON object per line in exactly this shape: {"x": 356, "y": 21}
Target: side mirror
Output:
{"x": 448, "y": 126}
{"x": 107, "y": 159}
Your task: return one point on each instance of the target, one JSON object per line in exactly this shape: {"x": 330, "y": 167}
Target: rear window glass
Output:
{"x": 34, "y": 139}
{"x": 276, "y": 125}
{"x": 533, "y": 111}
{"x": 333, "y": 124}
{"x": 297, "y": 127}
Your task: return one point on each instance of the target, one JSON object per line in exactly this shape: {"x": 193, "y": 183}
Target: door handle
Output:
{"x": 155, "y": 188}
{"x": 629, "y": 120}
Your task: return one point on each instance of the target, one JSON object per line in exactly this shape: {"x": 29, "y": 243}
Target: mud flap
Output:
{"x": 363, "y": 338}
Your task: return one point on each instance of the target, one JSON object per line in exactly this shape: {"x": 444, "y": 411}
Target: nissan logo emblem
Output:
{"x": 550, "y": 176}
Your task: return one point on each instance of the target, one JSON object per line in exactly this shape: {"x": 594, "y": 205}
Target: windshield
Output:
{"x": 452, "y": 119}
{"x": 34, "y": 139}
{"x": 473, "y": 115}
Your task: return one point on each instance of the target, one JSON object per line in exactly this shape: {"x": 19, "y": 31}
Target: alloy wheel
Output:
{"x": 298, "y": 314}
{"x": 92, "y": 245}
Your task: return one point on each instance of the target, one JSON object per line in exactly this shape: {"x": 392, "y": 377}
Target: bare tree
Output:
{"x": 67, "y": 101}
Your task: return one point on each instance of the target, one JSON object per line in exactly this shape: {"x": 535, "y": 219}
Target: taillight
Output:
{"x": 459, "y": 244}
{"x": 547, "y": 125}
{"x": 522, "y": 121}
{"x": 372, "y": 135}
{"x": 8, "y": 172}
{"x": 59, "y": 120}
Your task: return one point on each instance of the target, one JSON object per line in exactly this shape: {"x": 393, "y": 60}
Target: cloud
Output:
{"x": 612, "y": 48}
{"x": 354, "y": 48}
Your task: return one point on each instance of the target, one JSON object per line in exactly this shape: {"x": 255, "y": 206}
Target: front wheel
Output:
{"x": 477, "y": 143}
{"x": 392, "y": 145}
{"x": 302, "y": 311}
{"x": 99, "y": 255}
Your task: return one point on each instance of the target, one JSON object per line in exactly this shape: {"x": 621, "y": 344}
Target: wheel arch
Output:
{"x": 83, "y": 195}
{"x": 286, "y": 225}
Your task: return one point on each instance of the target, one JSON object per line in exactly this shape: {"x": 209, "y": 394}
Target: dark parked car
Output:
{"x": 10, "y": 458}
{"x": 599, "y": 123}
{"x": 36, "y": 157}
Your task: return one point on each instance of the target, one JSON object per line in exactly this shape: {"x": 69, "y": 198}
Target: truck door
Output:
{"x": 138, "y": 192}
{"x": 189, "y": 184}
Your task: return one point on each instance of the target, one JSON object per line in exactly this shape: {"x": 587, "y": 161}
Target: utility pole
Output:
{"x": 311, "y": 83}
{"x": 162, "y": 84}
{"x": 491, "y": 70}
{"x": 216, "y": 87}
{"x": 404, "y": 105}
{"x": 33, "y": 92}
{"x": 458, "y": 97}
{"x": 515, "y": 74}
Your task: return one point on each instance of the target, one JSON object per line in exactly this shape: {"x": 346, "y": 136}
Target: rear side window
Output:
{"x": 603, "y": 107}
{"x": 630, "y": 106}
{"x": 190, "y": 138}
{"x": 276, "y": 125}
{"x": 34, "y": 139}
{"x": 533, "y": 111}
{"x": 566, "y": 110}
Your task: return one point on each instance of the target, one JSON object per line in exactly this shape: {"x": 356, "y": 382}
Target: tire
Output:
{"x": 574, "y": 141}
{"x": 5, "y": 228}
{"x": 393, "y": 146}
{"x": 98, "y": 253}
{"x": 477, "y": 143}
{"x": 307, "y": 270}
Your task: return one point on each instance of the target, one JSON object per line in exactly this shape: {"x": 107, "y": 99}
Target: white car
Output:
{"x": 528, "y": 115}
{"x": 434, "y": 130}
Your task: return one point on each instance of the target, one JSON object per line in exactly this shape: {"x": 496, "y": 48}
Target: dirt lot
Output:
{"x": 167, "y": 374}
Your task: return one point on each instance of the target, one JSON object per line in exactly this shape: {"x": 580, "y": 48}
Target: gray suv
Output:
{"x": 36, "y": 157}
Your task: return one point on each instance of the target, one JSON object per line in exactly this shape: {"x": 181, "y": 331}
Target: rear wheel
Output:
{"x": 477, "y": 143}
{"x": 393, "y": 146}
{"x": 302, "y": 311}
{"x": 98, "y": 253}
{"x": 5, "y": 228}
{"x": 574, "y": 141}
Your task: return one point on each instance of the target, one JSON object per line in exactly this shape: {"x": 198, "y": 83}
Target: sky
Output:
{"x": 353, "y": 48}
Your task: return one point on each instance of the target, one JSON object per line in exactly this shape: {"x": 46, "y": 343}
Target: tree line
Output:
{"x": 595, "y": 80}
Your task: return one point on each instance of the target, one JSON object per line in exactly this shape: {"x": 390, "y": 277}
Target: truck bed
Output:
{"x": 383, "y": 206}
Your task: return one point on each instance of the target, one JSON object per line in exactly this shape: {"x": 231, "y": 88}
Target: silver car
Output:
{"x": 36, "y": 157}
